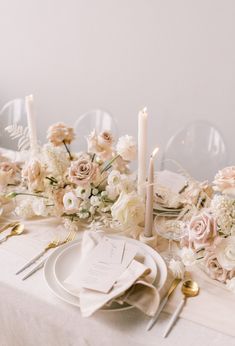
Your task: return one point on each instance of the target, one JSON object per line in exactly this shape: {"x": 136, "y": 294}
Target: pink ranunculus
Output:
{"x": 101, "y": 144}
{"x": 83, "y": 172}
{"x": 8, "y": 171}
{"x": 34, "y": 174}
{"x": 60, "y": 133}
{"x": 225, "y": 180}
{"x": 105, "y": 140}
{"x": 7, "y": 166}
{"x": 202, "y": 229}
{"x": 214, "y": 269}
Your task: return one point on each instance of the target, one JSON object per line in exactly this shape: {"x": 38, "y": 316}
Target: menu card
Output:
{"x": 105, "y": 264}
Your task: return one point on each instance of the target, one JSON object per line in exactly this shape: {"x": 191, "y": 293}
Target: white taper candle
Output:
{"x": 29, "y": 105}
{"x": 142, "y": 151}
{"x": 148, "y": 232}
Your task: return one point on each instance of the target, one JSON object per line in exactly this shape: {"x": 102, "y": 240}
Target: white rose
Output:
{"x": 127, "y": 185}
{"x": 230, "y": 284}
{"x": 112, "y": 192}
{"x": 225, "y": 253}
{"x": 70, "y": 201}
{"x": 126, "y": 148}
{"x": 177, "y": 268}
{"x": 188, "y": 256}
{"x": 128, "y": 209}
{"x": 39, "y": 207}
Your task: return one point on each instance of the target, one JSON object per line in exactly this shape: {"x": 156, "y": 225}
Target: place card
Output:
{"x": 105, "y": 264}
{"x": 173, "y": 181}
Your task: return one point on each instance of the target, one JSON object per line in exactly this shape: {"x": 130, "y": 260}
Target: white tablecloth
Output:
{"x": 30, "y": 315}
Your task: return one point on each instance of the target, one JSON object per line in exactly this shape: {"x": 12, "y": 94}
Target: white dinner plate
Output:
{"x": 68, "y": 259}
{"x": 64, "y": 295}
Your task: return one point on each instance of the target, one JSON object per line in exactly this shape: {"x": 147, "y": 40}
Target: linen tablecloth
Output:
{"x": 30, "y": 315}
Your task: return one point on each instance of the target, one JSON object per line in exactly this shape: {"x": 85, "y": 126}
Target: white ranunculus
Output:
{"x": 230, "y": 284}
{"x": 225, "y": 252}
{"x": 114, "y": 178}
{"x": 188, "y": 256}
{"x": 126, "y": 148}
{"x": 177, "y": 268}
{"x": 128, "y": 209}
{"x": 83, "y": 192}
{"x": 70, "y": 201}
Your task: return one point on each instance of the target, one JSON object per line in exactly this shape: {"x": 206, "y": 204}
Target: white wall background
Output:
{"x": 175, "y": 56}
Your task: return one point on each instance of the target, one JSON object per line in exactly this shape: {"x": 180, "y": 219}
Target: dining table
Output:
{"x": 31, "y": 315}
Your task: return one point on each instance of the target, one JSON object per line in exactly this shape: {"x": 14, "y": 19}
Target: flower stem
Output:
{"x": 68, "y": 151}
{"x": 109, "y": 164}
{"x": 30, "y": 194}
{"x": 52, "y": 180}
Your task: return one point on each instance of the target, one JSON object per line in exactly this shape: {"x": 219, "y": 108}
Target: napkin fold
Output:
{"x": 131, "y": 287}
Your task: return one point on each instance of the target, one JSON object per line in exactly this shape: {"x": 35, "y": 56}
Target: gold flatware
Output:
{"x": 16, "y": 230}
{"x": 189, "y": 289}
{"x": 40, "y": 265}
{"x": 163, "y": 303}
{"x": 9, "y": 225}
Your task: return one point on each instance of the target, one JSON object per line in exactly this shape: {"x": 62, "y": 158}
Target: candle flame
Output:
{"x": 154, "y": 153}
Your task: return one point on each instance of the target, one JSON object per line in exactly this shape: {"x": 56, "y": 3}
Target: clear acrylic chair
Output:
{"x": 99, "y": 120}
{"x": 198, "y": 148}
{"x": 13, "y": 112}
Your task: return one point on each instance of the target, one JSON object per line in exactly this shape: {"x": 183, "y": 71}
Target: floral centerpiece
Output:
{"x": 210, "y": 233}
{"x": 95, "y": 187}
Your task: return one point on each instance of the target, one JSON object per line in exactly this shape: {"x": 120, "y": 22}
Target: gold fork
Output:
{"x": 51, "y": 245}
{"x": 69, "y": 238}
{"x": 9, "y": 225}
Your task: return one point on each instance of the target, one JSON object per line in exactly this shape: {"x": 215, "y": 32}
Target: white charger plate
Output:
{"x": 61, "y": 293}
{"x": 68, "y": 259}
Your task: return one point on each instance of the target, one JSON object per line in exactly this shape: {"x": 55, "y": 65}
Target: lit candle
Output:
{"x": 149, "y": 199}
{"x": 142, "y": 151}
{"x": 31, "y": 122}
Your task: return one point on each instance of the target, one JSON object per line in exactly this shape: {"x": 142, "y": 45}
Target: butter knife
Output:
{"x": 162, "y": 304}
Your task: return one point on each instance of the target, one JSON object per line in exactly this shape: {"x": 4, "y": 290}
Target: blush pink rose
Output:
{"x": 202, "y": 229}
{"x": 60, "y": 133}
{"x": 83, "y": 172}
{"x": 225, "y": 180}
{"x": 214, "y": 269}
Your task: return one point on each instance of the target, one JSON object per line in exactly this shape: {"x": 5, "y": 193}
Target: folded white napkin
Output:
{"x": 131, "y": 287}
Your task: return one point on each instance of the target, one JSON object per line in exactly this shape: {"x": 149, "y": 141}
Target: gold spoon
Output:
{"x": 16, "y": 230}
{"x": 189, "y": 289}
